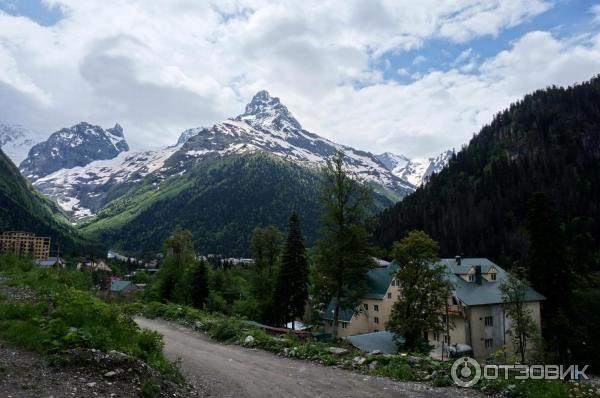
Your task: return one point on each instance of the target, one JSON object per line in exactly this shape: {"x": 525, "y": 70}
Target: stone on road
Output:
{"x": 235, "y": 371}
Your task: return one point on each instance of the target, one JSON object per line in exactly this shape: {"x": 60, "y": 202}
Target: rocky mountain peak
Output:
{"x": 268, "y": 112}
{"x": 74, "y": 146}
{"x": 117, "y": 130}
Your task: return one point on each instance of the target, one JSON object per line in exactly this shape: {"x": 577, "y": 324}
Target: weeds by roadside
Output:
{"x": 63, "y": 314}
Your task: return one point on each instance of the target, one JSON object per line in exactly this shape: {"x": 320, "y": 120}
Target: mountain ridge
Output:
{"x": 266, "y": 125}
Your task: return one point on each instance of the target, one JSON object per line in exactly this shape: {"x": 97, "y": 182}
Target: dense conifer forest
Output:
{"x": 548, "y": 142}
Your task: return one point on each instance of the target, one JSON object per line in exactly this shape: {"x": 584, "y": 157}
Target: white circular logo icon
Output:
{"x": 465, "y": 372}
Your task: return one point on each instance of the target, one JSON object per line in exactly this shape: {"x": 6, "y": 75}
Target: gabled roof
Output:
{"x": 379, "y": 279}
{"x": 472, "y": 293}
{"x": 378, "y": 282}
{"x": 467, "y": 264}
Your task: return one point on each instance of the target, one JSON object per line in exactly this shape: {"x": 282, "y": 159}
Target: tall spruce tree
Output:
{"x": 342, "y": 253}
{"x": 199, "y": 285}
{"x": 291, "y": 290}
{"x": 550, "y": 271}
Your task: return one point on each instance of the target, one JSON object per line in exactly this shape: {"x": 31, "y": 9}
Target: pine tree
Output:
{"x": 342, "y": 252}
{"x": 291, "y": 290}
{"x": 199, "y": 285}
{"x": 549, "y": 270}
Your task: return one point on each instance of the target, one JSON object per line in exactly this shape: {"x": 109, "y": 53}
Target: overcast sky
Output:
{"x": 411, "y": 77}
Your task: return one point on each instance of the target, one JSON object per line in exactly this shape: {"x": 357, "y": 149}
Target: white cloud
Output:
{"x": 402, "y": 72}
{"x": 160, "y": 67}
{"x": 442, "y": 110}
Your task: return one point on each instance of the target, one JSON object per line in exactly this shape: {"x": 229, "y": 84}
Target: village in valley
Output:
{"x": 473, "y": 320}
{"x": 271, "y": 199}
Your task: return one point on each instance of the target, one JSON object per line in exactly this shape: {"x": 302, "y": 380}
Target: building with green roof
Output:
{"x": 474, "y": 310}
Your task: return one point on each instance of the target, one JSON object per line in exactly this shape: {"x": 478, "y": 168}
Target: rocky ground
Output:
{"x": 83, "y": 373}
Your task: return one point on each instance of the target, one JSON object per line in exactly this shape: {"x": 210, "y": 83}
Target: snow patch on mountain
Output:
{"x": 82, "y": 190}
{"x": 417, "y": 170}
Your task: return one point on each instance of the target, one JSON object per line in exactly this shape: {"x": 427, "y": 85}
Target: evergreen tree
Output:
{"x": 424, "y": 291}
{"x": 550, "y": 271}
{"x": 265, "y": 245}
{"x": 342, "y": 252}
{"x": 179, "y": 258}
{"x": 291, "y": 290}
{"x": 199, "y": 285}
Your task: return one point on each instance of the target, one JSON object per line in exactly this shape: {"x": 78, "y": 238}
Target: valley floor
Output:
{"x": 234, "y": 371}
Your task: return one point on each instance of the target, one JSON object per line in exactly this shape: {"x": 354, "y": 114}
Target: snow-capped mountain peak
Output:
{"x": 267, "y": 125}
{"x": 268, "y": 112}
{"x": 417, "y": 170}
{"x": 74, "y": 146}
{"x": 392, "y": 161}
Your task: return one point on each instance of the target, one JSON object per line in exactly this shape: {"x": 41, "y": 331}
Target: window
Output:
{"x": 489, "y": 321}
{"x": 390, "y": 295}
{"x": 436, "y": 336}
{"x": 366, "y": 307}
{"x": 393, "y": 282}
{"x": 375, "y": 307}
{"x": 489, "y": 343}
{"x": 344, "y": 325}
{"x": 493, "y": 277}
{"x": 376, "y": 320}
{"x": 471, "y": 278}
{"x": 447, "y": 339}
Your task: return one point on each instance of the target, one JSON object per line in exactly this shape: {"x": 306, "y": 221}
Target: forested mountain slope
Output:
{"x": 547, "y": 142}
{"x": 21, "y": 208}
{"x": 220, "y": 199}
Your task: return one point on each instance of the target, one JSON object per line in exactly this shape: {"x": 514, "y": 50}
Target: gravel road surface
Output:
{"x": 235, "y": 371}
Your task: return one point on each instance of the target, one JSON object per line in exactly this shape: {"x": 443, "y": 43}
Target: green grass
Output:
{"x": 65, "y": 314}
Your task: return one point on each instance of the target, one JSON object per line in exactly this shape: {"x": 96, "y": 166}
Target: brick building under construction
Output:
{"x": 25, "y": 244}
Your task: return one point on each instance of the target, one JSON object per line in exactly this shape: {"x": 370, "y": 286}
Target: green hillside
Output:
{"x": 22, "y": 208}
{"x": 221, "y": 200}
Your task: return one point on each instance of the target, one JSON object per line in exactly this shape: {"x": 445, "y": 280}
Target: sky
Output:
{"x": 409, "y": 77}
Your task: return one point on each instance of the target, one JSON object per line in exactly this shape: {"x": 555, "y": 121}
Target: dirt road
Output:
{"x": 234, "y": 371}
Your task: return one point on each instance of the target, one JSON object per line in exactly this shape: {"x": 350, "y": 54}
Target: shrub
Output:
{"x": 225, "y": 329}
